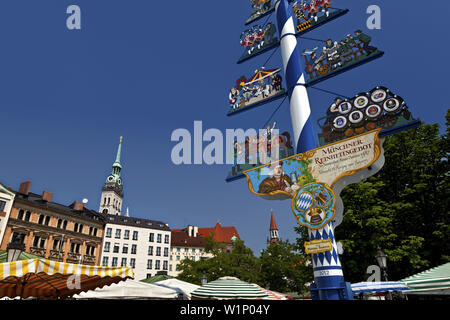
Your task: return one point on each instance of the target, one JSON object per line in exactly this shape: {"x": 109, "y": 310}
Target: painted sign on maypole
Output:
{"x": 350, "y": 146}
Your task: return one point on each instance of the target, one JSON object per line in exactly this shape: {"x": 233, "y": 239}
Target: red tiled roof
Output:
{"x": 221, "y": 234}
{"x": 182, "y": 239}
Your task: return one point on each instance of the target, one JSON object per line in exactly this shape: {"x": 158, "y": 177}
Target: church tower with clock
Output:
{"x": 112, "y": 191}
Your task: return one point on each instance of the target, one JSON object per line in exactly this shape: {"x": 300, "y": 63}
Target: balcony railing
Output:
{"x": 87, "y": 259}
{"x": 37, "y": 251}
{"x": 73, "y": 257}
{"x": 56, "y": 255}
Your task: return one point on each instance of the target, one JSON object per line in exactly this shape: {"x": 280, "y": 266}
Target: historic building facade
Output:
{"x": 54, "y": 231}
{"x": 140, "y": 243}
{"x": 189, "y": 243}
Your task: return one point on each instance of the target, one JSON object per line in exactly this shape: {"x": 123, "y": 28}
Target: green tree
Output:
{"x": 284, "y": 269}
{"x": 240, "y": 263}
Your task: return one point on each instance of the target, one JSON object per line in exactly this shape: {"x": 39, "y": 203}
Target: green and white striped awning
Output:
{"x": 228, "y": 288}
{"x": 433, "y": 281}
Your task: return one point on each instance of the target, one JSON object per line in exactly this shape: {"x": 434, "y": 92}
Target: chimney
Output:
{"x": 195, "y": 232}
{"x": 47, "y": 196}
{"x": 190, "y": 231}
{"x": 78, "y": 206}
{"x": 25, "y": 187}
{"x": 10, "y": 188}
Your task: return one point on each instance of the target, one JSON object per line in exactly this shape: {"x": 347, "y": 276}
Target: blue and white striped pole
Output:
{"x": 304, "y": 137}
{"x": 329, "y": 280}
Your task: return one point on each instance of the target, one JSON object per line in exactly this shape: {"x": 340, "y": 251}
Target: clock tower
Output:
{"x": 112, "y": 191}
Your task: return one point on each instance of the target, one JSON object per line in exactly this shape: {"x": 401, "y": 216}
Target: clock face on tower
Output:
{"x": 110, "y": 179}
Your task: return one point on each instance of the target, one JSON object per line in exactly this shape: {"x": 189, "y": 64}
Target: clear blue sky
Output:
{"x": 142, "y": 69}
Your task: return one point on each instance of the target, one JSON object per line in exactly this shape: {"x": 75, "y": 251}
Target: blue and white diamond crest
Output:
{"x": 304, "y": 201}
{"x": 314, "y": 205}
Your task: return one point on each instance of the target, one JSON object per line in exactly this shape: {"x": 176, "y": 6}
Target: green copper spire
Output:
{"x": 114, "y": 177}
{"x": 119, "y": 150}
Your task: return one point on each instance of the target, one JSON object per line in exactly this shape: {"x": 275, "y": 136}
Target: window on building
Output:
{"x": 150, "y": 250}
{"x": 41, "y": 219}
{"x": 132, "y": 262}
{"x": 177, "y": 268}
{"x": 126, "y": 234}
{"x": 170, "y": 267}
{"x": 95, "y": 232}
{"x": 193, "y": 250}
{"x": 107, "y": 246}
{"x": 59, "y": 223}
{"x": 123, "y": 263}
{"x": 149, "y": 264}
{"x": 133, "y": 249}
{"x": 135, "y": 235}
{"x": 165, "y": 264}
{"x": 64, "y": 225}
{"x": 90, "y": 230}
{"x": 200, "y": 250}
{"x": 158, "y": 251}
{"x": 186, "y": 249}
{"x": 114, "y": 262}
{"x": 47, "y": 220}
{"x": 75, "y": 227}
{"x": 74, "y": 247}
{"x": 56, "y": 244}
{"x": 28, "y": 216}
{"x": 157, "y": 265}
{"x": 193, "y": 258}
{"x": 178, "y": 258}
{"x": 108, "y": 232}
{"x": 38, "y": 242}
{"x": 151, "y": 237}
{"x": 118, "y": 233}
{"x": 158, "y": 238}
{"x": 90, "y": 250}
{"x": 125, "y": 248}
{"x": 178, "y": 249}
{"x": 19, "y": 216}
{"x": 166, "y": 252}
{"x": 105, "y": 262}
{"x": 3, "y": 205}
{"x": 116, "y": 248}
{"x": 18, "y": 237}
{"x": 166, "y": 238}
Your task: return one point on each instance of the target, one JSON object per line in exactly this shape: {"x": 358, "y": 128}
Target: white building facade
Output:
{"x": 138, "y": 243}
{"x": 6, "y": 202}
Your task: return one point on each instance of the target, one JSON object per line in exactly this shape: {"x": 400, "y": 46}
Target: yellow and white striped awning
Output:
{"x": 46, "y": 278}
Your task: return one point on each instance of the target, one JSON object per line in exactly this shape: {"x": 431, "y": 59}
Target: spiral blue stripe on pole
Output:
{"x": 304, "y": 137}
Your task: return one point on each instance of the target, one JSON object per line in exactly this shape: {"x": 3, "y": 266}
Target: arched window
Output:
{"x": 95, "y": 232}
{"x": 47, "y": 220}
{"x": 80, "y": 228}
{"x": 75, "y": 227}
{"x": 20, "y": 215}
{"x": 64, "y": 225}
{"x": 27, "y": 216}
{"x": 41, "y": 219}
{"x": 109, "y": 200}
{"x": 105, "y": 211}
{"x": 59, "y": 223}
{"x": 104, "y": 201}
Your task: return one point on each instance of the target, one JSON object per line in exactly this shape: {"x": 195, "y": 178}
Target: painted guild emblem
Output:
{"x": 313, "y": 205}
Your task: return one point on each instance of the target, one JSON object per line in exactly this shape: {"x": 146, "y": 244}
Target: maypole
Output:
{"x": 328, "y": 277}
{"x": 349, "y": 147}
